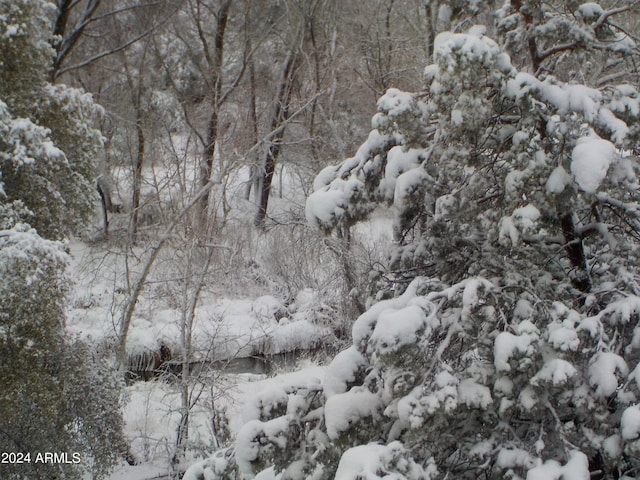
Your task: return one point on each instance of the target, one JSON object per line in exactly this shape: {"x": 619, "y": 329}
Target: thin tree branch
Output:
{"x": 284, "y": 123}
{"x": 107, "y": 53}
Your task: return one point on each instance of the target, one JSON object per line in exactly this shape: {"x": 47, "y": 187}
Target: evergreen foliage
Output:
{"x": 48, "y": 148}
{"x": 54, "y": 397}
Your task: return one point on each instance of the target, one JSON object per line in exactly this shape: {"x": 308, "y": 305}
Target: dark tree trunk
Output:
{"x": 531, "y": 41}
{"x": 215, "y": 65}
{"x": 105, "y": 210}
{"x": 253, "y": 112}
{"x": 280, "y": 115}
{"x": 137, "y": 171}
{"x": 580, "y": 277}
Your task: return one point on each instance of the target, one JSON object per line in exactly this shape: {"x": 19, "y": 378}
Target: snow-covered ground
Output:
{"x": 222, "y": 328}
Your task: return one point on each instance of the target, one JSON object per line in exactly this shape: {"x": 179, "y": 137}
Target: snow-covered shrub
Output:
{"x": 299, "y": 261}
{"x": 54, "y": 398}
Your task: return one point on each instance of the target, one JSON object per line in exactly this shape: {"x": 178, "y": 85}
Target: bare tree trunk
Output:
{"x": 253, "y": 112}
{"x": 315, "y": 49}
{"x": 280, "y": 115}
{"x": 191, "y": 296}
{"x": 430, "y": 17}
{"x": 105, "y": 201}
{"x": 136, "y": 90}
{"x": 137, "y": 171}
{"x": 215, "y": 67}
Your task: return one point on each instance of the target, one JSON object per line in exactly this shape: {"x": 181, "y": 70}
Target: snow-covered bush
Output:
{"x": 54, "y": 398}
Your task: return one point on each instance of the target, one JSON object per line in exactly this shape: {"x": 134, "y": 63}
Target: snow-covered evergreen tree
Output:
{"x": 505, "y": 340}
{"x": 54, "y": 396}
{"x": 48, "y": 146}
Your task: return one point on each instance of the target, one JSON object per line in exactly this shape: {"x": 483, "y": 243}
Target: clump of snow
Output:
{"x": 612, "y": 446}
{"x": 507, "y": 346}
{"x": 344, "y": 409}
{"x": 508, "y": 234}
{"x": 520, "y": 138}
{"x": 555, "y": 372}
{"x": 577, "y": 468}
{"x": 365, "y": 324}
{"x": 213, "y": 467}
{"x": 590, "y": 161}
{"x": 621, "y": 311}
{"x": 474, "y": 46}
{"x": 406, "y": 185}
{"x": 473, "y": 394}
{"x": 276, "y": 397}
{"x": 523, "y": 220}
{"x": 470, "y": 295}
{"x": 396, "y": 102}
{"x": 445, "y": 206}
{"x": 526, "y": 217}
{"x": 416, "y": 407}
{"x": 327, "y": 206}
{"x": 630, "y": 423}
{"x": 514, "y": 458}
{"x": 568, "y": 99}
{"x": 397, "y": 329}
{"x": 381, "y": 462}
{"x": 343, "y": 370}
{"x": 528, "y": 398}
{"x": 605, "y": 371}
{"x": 590, "y": 11}
{"x": 564, "y": 338}
{"x": 456, "y": 117}
{"x": 558, "y": 181}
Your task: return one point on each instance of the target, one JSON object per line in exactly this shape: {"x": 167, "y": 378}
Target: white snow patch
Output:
{"x": 342, "y": 370}
{"x": 344, "y": 409}
{"x": 473, "y": 394}
{"x": 590, "y": 161}
{"x": 378, "y": 462}
{"x": 554, "y": 372}
{"x": 397, "y": 329}
{"x": 605, "y": 371}
{"x": 514, "y": 458}
{"x": 558, "y": 181}
{"x": 507, "y": 345}
{"x": 630, "y": 423}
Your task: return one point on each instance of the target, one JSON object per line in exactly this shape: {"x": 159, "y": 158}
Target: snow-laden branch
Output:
{"x": 604, "y": 16}
{"x": 632, "y": 208}
{"x": 599, "y": 228}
